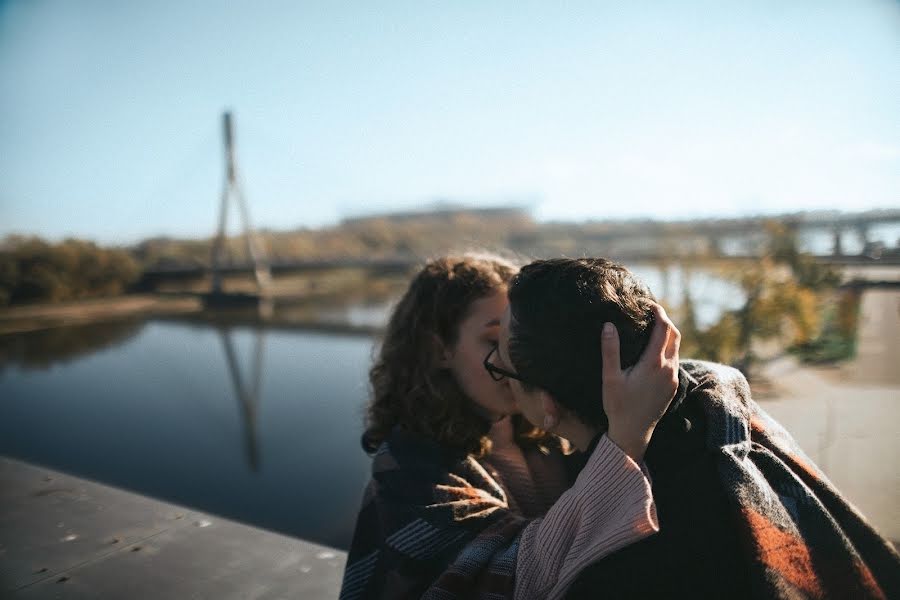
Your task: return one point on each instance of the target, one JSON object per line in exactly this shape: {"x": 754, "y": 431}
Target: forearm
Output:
{"x": 609, "y": 506}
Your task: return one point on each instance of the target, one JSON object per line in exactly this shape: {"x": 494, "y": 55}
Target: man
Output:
{"x": 742, "y": 513}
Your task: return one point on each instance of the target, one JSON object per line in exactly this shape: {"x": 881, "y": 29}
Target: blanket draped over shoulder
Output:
{"x": 433, "y": 524}
{"x": 437, "y": 525}
{"x": 801, "y": 538}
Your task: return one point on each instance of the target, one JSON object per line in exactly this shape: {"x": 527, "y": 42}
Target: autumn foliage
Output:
{"x": 32, "y": 270}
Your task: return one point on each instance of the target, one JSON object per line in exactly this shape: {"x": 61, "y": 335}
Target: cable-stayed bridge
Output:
{"x": 844, "y": 239}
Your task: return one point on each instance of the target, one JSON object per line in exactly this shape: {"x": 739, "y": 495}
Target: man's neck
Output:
{"x": 577, "y": 433}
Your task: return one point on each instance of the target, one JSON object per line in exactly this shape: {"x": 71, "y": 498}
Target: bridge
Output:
{"x": 627, "y": 241}
{"x": 720, "y": 238}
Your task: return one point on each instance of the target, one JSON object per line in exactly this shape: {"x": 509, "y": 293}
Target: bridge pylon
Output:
{"x": 233, "y": 190}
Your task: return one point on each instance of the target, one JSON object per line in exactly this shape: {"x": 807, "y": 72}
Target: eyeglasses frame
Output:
{"x": 498, "y": 373}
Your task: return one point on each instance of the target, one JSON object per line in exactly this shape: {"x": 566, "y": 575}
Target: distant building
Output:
{"x": 449, "y": 214}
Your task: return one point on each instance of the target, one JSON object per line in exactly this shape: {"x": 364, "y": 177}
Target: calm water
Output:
{"x": 170, "y": 410}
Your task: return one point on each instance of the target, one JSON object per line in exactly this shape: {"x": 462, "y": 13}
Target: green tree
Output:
{"x": 787, "y": 296}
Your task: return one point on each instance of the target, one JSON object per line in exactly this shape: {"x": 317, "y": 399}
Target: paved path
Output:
{"x": 878, "y": 340}
{"x": 65, "y": 537}
{"x": 847, "y": 419}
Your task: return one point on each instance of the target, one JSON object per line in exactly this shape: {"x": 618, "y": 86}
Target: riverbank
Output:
{"x": 356, "y": 309}
{"x": 300, "y": 300}
{"x": 34, "y": 317}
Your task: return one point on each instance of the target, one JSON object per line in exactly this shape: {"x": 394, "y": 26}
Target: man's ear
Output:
{"x": 444, "y": 354}
{"x": 551, "y": 411}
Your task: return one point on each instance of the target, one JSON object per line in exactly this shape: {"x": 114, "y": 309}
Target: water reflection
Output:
{"x": 44, "y": 348}
{"x": 261, "y": 425}
{"x": 711, "y": 292}
{"x": 248, "y": 396}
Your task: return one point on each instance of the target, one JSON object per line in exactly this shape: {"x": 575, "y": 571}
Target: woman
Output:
{"x": 443, "y": 516}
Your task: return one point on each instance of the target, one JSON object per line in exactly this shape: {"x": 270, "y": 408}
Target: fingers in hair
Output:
{"x": 609, "y": 349}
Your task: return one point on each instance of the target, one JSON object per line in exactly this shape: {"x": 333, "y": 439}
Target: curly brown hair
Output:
{"x": 410, "y": 389}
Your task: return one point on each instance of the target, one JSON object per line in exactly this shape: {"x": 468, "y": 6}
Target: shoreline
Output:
{"x": 167, "y": 306}
{"x": 184, "y": 304}
{"x": 36, "y": 317}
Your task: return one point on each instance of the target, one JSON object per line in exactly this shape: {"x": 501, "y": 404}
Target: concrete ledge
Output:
{"x": 65, "y": 537}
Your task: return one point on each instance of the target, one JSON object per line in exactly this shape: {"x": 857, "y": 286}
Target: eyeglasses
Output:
{"x": 498, "y": 373}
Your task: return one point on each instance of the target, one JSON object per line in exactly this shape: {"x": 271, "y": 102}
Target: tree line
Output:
{"x": 789, "y": 297}
{"x": 33, "y": 270}
{"x": 788, "y": 294}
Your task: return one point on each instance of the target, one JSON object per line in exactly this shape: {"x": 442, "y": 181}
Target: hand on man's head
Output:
{"x": 635, "y": 399}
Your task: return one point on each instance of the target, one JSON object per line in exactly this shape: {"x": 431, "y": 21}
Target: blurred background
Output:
{"x": 208, "y": 209}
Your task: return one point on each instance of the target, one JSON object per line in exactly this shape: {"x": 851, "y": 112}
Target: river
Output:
{"x": 174, "y": 411}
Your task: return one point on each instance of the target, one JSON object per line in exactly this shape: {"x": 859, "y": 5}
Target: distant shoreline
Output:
{"x": 35, "y": 317}
{"x": 39, "y": 317}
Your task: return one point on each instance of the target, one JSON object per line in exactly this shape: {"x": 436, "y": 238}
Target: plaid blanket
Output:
{"x": 433, "y": 524}
{"x": 802, "y": 539}
{"x": 436, "y": 525}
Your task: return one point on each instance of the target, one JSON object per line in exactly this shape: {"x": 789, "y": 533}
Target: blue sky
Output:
{"x": 110, "y": 111}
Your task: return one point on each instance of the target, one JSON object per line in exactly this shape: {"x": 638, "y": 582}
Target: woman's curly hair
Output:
{"x": 410, "y": 388}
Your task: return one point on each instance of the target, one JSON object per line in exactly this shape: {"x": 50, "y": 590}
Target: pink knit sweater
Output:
{"x": 532, "y": 480}
{"x": 609, "y": 507}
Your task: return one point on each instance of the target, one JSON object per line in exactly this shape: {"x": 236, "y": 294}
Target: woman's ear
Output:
{"x": 551, "y": 411}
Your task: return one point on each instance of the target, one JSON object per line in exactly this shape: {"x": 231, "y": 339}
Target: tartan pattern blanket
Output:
{"x": 424, "y": 509}
{"x": 802, "y": 539}
{"x": 436, "y": 525}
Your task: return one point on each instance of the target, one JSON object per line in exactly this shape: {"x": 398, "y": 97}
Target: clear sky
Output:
{"x": 110, "y": 111}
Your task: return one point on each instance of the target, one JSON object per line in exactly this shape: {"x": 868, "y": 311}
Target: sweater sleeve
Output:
{"x": 609, "y": 507}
